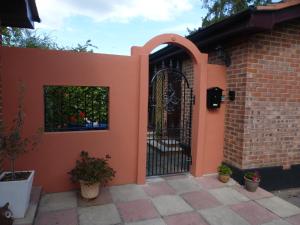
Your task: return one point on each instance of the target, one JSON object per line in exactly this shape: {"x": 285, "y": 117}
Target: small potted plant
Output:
{"x": 252, "y": 180}
{"x": 91, "y": 173}
{"x": 15, "y": 186}
{"x": 224, "y": 173}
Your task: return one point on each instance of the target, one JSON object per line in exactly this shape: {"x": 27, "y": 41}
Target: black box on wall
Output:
{"x": 214, "y": 97}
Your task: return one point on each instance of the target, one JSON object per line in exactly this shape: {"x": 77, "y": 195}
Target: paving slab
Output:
{"x": 184, "y": 185}
{"x": 129, "y": 192}
{"x": 58, "y": 201}
{"x": 158, "y": 188}
{"x": 158, "y": 221}
{"x": 190, "y": 218}
{"x": 35, "y": 196}
{"x": 277, "y": 222}
{"x": 179, "y": 200}
{"x": 62, "y": 217}
{"x": 154, "y": 179}
{"x": 169, "y": 204}
{"x": 222, "y": 216}
{"x": 279, "y": 206}
{"x": 254, "y": 213}
{"x": 137, "y": 210}
{"x": 232, "y": 182}
{"x": 290, "y": 195}
{"x": 103, "y": 198}
{"x": 29, "y": 217}
{"x": 99, "y": 215}
{"x": 228, "y": 196}
{"x": 201, "y": 200}
{"x": 176, "y": 177}
{"x": 258, "y": 194}
{"x": 210, "y": 182}
{"x": 294, "y": 220}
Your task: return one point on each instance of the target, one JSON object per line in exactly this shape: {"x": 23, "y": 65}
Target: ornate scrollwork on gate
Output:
{"x": 171, "y": 99}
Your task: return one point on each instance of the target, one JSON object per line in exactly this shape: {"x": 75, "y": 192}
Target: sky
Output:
{"x": 116, "y": 25}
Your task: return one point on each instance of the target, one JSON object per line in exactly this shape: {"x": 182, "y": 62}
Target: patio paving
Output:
{"x": 176, "y": 200}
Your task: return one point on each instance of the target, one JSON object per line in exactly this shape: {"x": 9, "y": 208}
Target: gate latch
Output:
{"x": 189, "y": 161}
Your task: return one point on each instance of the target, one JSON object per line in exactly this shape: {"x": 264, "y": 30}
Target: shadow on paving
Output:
{"x": 290, "y": 195}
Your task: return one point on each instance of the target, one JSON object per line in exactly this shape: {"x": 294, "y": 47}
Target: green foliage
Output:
{"x": 25, "y": 38}
{"x": 92, "y": 170}
{"x": 221, "y": 9}
{"x": 66, "y": 106}
{"x": 13, "y": 144}
{"x": 224, "y": 170}
{"x": 254, "y": 176}
{"x": 191, "y": 31}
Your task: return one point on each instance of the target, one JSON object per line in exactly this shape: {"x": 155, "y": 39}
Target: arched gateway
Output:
{"x": 194, "y": 146}
{"x": 169, "y": 121}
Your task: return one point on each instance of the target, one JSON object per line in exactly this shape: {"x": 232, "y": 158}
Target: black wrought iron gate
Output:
{"x": 169, "y": 125}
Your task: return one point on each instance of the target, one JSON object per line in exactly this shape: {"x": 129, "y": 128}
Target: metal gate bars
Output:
{"x": 169, "y": 125}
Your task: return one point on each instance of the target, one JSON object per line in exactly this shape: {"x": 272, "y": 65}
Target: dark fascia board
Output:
{"x": 244, "y": 23}
{"x": 203, "y": 35}
{"x": 18, "y": 13}
{"x": 216, "y": 27}
{"x": 34, "y": 12}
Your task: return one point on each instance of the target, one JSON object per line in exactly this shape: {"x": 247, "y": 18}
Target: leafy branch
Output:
{"x": 13, "y": 144}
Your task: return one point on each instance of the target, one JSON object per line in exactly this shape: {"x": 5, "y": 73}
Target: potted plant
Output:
{"x": 252, "y": 180}
{"x": 15, "y": 186}
{"x": 224, "y": 173}
{"x": 91, "y": 173}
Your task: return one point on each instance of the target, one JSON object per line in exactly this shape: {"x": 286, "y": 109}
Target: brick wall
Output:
{"x": 272, "y": 109}
{"x": 262, "y": 126}
{"x": 187, "y": 69}
{"x": 235, "y": 111}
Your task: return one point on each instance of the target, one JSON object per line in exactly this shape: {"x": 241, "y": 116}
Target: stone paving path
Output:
{"x": 176, "y": 200}
{"x": 291, "y": 195}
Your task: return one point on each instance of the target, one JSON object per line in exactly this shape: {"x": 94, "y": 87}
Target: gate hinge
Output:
{"x": 193, "y": 99}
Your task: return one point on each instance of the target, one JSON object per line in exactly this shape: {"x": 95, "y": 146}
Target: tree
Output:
{"x": 13, "y": 144}
{"x": 25, "y": 38}
{"x": 221, "y": 9}
{"x": 191, "y": 31}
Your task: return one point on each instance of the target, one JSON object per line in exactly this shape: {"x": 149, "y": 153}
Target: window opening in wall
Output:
{"x": 76, "y": 108}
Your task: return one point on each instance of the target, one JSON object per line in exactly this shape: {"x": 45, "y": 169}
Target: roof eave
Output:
{"x": 246, "y": 22}
{"x": 20, "y": 13}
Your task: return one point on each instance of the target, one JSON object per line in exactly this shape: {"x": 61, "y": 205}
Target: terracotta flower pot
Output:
{"x": 251, "y": 185}
{"x": 89, "y": 191}
{"x": 224, "y": 178}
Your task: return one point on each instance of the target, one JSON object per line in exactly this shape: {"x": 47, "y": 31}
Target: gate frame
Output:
{"x": 200, "y": 62}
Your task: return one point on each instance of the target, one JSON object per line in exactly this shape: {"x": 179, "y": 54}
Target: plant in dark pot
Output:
{"x": 224, "y": 173}
{"x": 252, "y": 180}
{"x": 91, "y": 173}
{"x": 15, "y": 186}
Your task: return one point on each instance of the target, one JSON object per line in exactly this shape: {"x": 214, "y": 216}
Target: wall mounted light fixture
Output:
{"x": 231, "y": 95}
{"x": 223, "y": 55}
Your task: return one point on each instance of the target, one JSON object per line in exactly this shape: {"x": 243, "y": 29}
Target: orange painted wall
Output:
{"x": 214, "y": 140}
{"x": 57, "y": 152}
